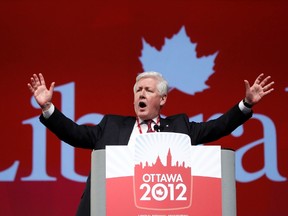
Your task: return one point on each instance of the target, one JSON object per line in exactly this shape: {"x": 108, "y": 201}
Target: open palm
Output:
{"x": 38, "y": 88}
{"x": 258, "y": 90}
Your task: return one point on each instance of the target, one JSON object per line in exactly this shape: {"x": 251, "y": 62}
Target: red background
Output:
{"x": 97, "y": 45}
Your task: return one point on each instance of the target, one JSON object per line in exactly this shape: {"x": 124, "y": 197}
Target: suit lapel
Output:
{"x": 165, "y": 124}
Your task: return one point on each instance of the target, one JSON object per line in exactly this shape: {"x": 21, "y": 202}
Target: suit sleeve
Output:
{"x": 82, "y": 136}
{"x": 215, "y": 129}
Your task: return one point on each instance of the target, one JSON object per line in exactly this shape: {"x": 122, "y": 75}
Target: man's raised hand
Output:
{"x": 258, "y": 90}
{"x": 38, "y": 88}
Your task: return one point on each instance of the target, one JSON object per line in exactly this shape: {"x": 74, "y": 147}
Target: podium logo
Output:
{"x": 162, "y": 186}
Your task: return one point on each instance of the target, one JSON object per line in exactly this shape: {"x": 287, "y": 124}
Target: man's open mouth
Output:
{"x": 142, "y": 104}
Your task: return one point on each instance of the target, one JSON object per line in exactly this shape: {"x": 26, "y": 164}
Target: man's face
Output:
{"x": 147, "y": 99}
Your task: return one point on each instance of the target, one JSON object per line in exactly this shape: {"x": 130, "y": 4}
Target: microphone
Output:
{"x": 158, "y": 128}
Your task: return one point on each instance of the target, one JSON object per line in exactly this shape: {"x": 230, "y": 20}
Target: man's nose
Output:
{"x": 142, "y": 94}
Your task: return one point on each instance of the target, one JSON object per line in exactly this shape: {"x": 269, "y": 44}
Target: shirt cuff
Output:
{"x": 49, "y": 112}
{"x": 243, "y": 108}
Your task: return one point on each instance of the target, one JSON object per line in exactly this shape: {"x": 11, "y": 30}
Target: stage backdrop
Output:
{"x": 93, "y": 50}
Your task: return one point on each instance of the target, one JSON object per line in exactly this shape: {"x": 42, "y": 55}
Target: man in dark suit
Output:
{"x": 150, "y": 95}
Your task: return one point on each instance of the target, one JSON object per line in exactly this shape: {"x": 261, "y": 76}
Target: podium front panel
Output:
{"x": 161, "y": 178}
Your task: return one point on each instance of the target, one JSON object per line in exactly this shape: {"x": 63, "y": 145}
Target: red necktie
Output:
{"x": 149, "y": 122}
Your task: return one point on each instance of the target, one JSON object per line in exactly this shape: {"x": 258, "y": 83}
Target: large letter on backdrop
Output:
{"x": 270, "y": 154}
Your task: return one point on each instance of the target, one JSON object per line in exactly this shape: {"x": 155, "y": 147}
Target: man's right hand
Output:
{"x": 42, "y": 95}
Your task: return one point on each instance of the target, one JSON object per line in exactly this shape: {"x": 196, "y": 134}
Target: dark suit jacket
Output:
{"x": 116, "y": 130}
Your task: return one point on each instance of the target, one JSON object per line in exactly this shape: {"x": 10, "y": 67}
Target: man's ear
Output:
{"x": 163, "y": 100}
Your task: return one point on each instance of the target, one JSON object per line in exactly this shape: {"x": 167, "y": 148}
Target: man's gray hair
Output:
{"x": 162, "y": 85}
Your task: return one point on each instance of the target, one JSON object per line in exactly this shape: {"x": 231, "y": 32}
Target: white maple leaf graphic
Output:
{"x": 159, "y": 192}
{"x": 177, "y": 61}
